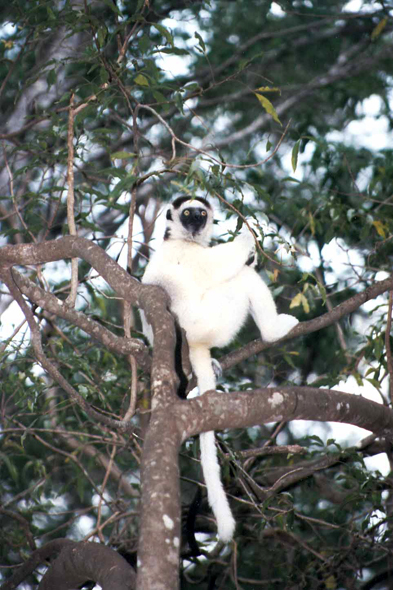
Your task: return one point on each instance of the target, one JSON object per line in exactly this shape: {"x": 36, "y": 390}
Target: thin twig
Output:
{"x": 207, "y": 154}
{"x": 11, "y": 177}
{"x": 14, "y": 63}
{"x": 71, "y": 299}
{"x": 133, "y": 390}
{"x": 99, "y": 507}
{"x": 338, "y": 327}
{"x": 276, "y": 450}
{"x": 245, "y": 221}
{"x": 10, "y": 339}
{"x": 126, "y": 305}
{"x": 389, "y": 361}
{"x": 7, "y": 278}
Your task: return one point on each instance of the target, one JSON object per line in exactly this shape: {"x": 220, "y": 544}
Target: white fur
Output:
{"x": 212, "y": 291}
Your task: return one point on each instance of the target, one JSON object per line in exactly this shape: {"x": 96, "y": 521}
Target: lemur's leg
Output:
{"x": 272, "y": 325}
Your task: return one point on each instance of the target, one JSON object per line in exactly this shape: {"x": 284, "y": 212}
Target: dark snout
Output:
{"x": 194, "y": 219}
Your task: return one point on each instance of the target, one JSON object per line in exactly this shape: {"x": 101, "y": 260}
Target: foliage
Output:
{"x": 257, "y": 106}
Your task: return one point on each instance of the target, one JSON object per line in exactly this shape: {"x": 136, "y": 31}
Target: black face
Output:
{"x": 194, "y": 219}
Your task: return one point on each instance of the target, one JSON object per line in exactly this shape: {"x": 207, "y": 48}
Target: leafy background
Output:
{"x": 261, "y": 107}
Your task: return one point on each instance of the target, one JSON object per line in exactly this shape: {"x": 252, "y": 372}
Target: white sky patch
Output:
{"x": 118, "y": 247}
{"x": 341, "y": 260}
{"x": 174, "y": 65}
{"x": 10, "y": 320}
{"x": 344, "y": 434}
{"x": 83, "y": 526}
{"x": 303, "y": 158}
{"x": 312, "y": 261}
{"x": 360, "y": 6}
{"x": 370, "y": 131}
{"x": 61, "y": 270}
{"x": 179, "y": 65}
{"x": 276, "y": 9}
{"x": 7, "y": 30}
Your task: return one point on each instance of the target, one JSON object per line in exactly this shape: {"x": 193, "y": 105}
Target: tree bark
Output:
{"x": 159, "y": 540}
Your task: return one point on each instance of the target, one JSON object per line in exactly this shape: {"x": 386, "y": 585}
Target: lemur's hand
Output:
{"x": 249, "y": 232}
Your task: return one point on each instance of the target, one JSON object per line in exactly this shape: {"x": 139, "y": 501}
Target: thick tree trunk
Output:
{"x": 159, "y": 541}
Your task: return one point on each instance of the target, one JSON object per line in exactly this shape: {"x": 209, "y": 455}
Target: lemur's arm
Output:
{"x": 227, "y": 260}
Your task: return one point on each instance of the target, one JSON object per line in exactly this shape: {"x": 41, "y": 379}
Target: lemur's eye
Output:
{"x": 186, "y": 212}
{"x": 203, "y": 213}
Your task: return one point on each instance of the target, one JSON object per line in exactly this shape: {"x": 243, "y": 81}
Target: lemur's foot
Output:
{"x": 280, "y": 327}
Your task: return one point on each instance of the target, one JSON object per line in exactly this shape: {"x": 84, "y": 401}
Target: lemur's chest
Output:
{"x": 181, "y": 269}
{"x": 186, "y": 262}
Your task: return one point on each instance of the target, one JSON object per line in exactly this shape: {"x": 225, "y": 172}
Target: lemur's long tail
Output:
{"x": 201, "y": 363}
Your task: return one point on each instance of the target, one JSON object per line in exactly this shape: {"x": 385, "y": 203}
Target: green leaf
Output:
{"x": 112, "y": 6}
{"x": 311, "y": 222}
{"x": 289, "y": 360}
{"x": 101, "y": 36}
{"x": 122, "y": 186}
{"x": 322, "y": 291}
{"x": 192, "y": 87}
{"x": 291, "y": 179}
{"x": 51, "y": 78}
{"x": 201, "y": 42}
{"x": 139, "y": 6}
{"x": 179, "y": 102}
{"x": 295, "y": 153}
{"x": 378, "y": 348}
{"x": 380, "y": 227}
{"x": 122, "y": 155}
{"x": 51, "y": 14}
{"x": 330, "y": 583}
{"x": 300, "y": 299}
{"x": 141, "y": 80}
{"x": 11, "y": 467}
{"x": 269, "y": 108}
{"x": 315, "y": 439}
{"x": 144, "y": 44}
{"x": 182, "y": 187}
{"x": 268, "y": 89}
{"x": 103, "y": 76}
{"x": 375, "y": 383}
{"x": 164, "y": 32}
{"x": 172, "y": 51}
{"x": 379, "y": 28}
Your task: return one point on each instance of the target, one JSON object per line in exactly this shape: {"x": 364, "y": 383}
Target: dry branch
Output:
{"x": 76, "y": 564}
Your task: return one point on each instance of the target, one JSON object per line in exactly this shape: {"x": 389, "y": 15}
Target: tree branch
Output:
{"x": 153, "y": 300}
{"x": 342, "y": 69}
{"x": 76, "y": 564}
{"x": 160, "y": 504}
{"x": 51, "y": 303}
{"x": 217, "y": 411}
{"x": 71, "y": 299}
